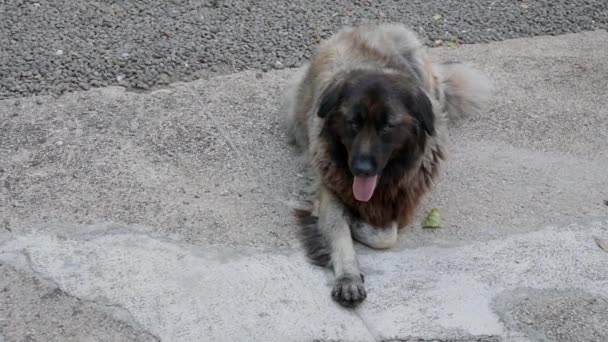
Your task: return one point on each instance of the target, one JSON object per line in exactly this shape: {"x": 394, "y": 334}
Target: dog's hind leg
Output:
{"x": 374, "y": 237}
{"x": 333, "y": 225}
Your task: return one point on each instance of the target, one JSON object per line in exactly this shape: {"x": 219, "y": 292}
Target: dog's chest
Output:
{"x": 389, "y": 204}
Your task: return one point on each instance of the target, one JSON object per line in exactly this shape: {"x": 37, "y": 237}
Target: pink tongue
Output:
{"x": 363, "y": 188}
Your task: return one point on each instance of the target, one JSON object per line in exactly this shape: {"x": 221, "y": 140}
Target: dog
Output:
{"x": 370, "y": 114}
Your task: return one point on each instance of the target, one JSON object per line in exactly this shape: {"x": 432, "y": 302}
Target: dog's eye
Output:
{"x": 353, "y": 124}
{"x": 387, "y": 127}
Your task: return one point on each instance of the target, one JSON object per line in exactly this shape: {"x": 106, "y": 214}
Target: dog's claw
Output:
{"x": 349, "y": 291}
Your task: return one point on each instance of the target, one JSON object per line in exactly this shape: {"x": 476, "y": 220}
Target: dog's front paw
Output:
{"x": 349, "y": 290}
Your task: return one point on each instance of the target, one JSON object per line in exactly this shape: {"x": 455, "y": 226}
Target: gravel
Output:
{"x": 52, "y": 47}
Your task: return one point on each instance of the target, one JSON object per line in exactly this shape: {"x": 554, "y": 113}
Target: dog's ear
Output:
{"x": 421, "y": 107}
{"x": 330, "y": 99}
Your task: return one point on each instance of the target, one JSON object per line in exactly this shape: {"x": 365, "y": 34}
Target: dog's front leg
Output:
{"x": 348, "y": 289}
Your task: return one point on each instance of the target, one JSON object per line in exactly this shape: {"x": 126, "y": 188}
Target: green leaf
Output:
{"x": 437, "y": 17}
{"x": 433, "y": 220}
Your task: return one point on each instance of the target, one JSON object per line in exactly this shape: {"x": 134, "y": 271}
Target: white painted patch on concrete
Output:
{"x": 449, "y": 292}
{"x": 183, "y": 294}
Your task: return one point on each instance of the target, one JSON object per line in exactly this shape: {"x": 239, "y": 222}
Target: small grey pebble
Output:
{"x": 39, "y": 101}
{"x": 278, "y": 65}
{"x": 17, "y": 103}
{"x": 164, "y": 78}
{"x": 84, "y": 85}
{"x": 259, "y": 75}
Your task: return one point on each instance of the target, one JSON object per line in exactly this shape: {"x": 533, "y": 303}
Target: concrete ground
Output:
{"x": 164, "y": 216}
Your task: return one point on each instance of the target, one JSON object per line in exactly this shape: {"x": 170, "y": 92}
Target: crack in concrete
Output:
{"x": 227, "y": 137}
{"x": 215, "y": 122}
{"x": 132, "y": 320}
{"x": 368, "y": 327}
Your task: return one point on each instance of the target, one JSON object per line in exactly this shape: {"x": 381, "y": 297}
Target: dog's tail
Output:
{"x": 313, "y": 241}
{"x": 465, "y": 89}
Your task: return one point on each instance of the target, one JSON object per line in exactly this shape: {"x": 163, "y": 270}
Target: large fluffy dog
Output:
{"x": 370, "y": 112}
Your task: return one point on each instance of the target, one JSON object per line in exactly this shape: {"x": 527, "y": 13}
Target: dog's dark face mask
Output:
{"x": 378, "y": 126}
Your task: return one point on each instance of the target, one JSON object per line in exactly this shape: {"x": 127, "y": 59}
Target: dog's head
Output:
{"x": 378, "y": 124}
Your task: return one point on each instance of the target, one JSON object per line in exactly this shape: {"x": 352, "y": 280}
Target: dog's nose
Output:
{"x": 364, "y": 166}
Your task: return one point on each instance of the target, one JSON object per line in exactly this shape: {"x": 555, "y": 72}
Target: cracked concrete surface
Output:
{"x": 116, "y": 309}
{"x": 178, "y": 292}
{"x": 36, "y": 310}
{"x": 166, "y": 215}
